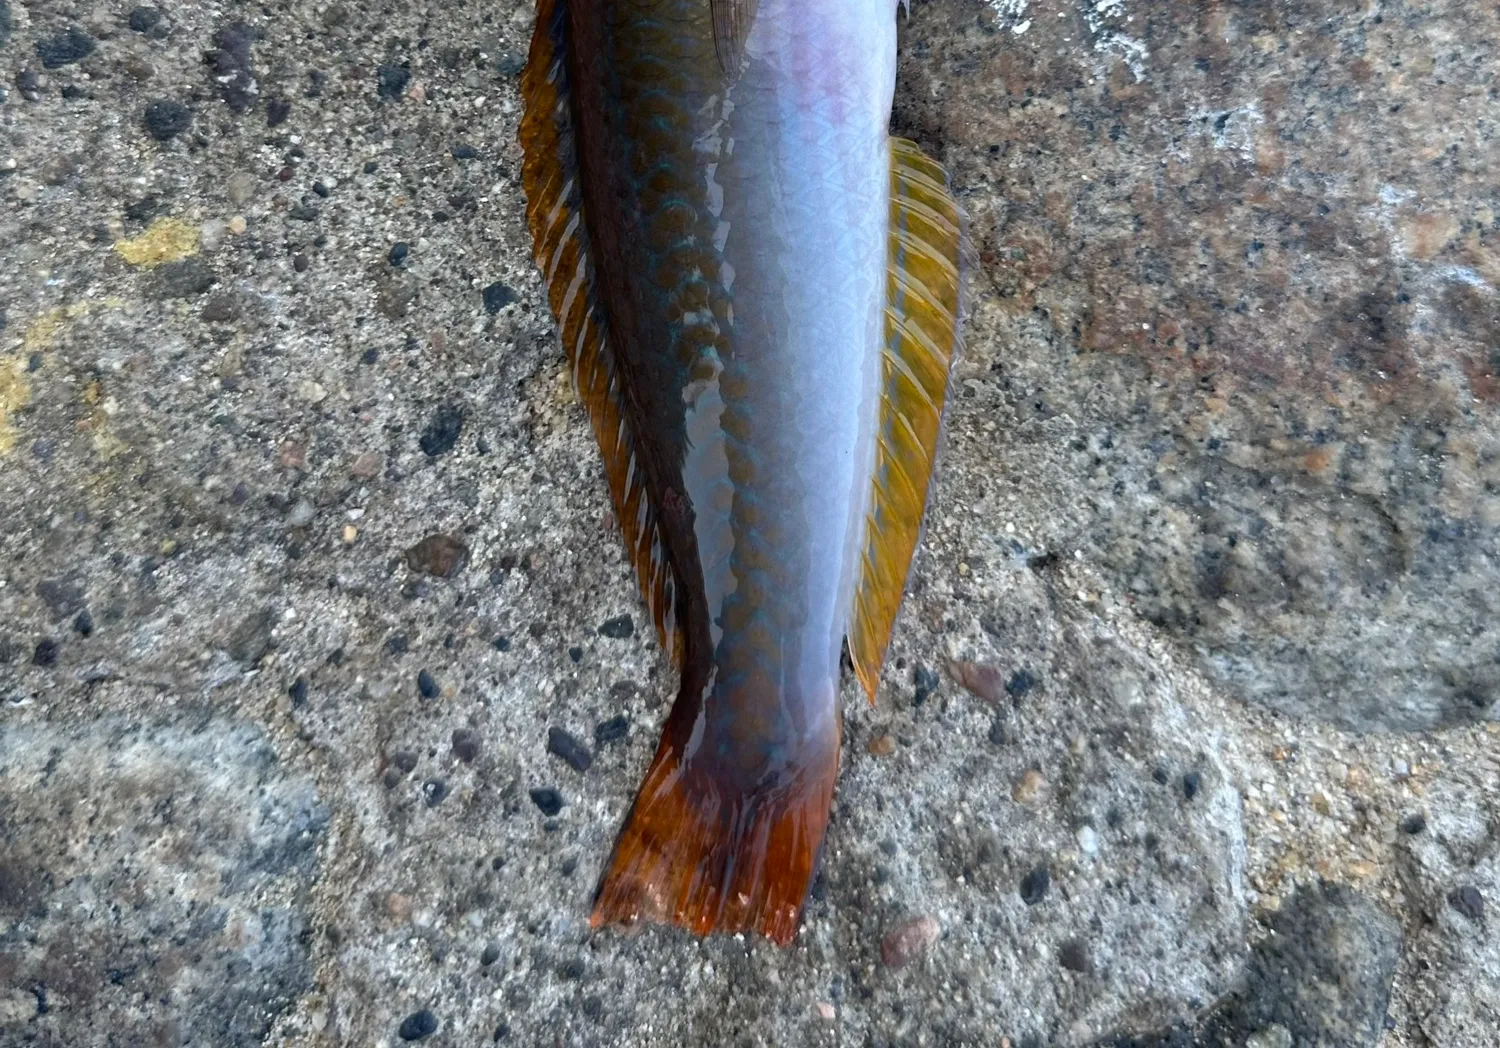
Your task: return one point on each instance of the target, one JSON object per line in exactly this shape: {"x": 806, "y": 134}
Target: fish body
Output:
{"x": 717, "y": 207}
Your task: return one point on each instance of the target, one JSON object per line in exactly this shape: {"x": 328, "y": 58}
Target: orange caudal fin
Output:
{"x": 703, "y": 855}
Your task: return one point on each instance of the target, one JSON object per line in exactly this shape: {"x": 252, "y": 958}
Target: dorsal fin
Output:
{"x": 921, "y": 338}
{"x": 560, "y": 244}
{"x": 732, "y": 20}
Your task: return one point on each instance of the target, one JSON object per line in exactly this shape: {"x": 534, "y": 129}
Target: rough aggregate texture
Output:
{"x": 306, "y": 555}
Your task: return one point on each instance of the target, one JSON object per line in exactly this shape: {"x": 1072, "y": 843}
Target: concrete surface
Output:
{"x": 304, "y": 549}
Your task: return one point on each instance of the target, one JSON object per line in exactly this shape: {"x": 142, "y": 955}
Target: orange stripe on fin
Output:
{"x": 701, "y": 854}
{"x": 554, "y": 213}
{"x": 926, "y": 251}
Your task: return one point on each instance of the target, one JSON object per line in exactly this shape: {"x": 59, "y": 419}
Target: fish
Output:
{"x": 758, "y": 291}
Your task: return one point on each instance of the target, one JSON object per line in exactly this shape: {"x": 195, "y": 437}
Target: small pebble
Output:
{"x": 612, "y": 730}
{"x": 1088, "y": 840}
{"x": 238, "y": 225}
{"x": 298, "y": 692}
{"x": 406, "y": 760}
{"x": 65, "y": 48}
{"x": 442, "y": 432}
{"x": 278, "y": 110}
{"x": 593, "y": 1006}
{"x": 1160, "y": 776}
{"x": 1191, "y": 782}
{"x": 398, "y": 253}
{"x": 441, "y": 556}
{"x": 573, "y": 970}
{"x": 302, "y": 514}
{"x": 427, "y": 685}
{"x": 926, "y": 682}
{"x": 145, "y": 19}
{"x": 166, "y": 119}
{"x": 882, "y": 746}
{"x": 490, "y": 955}
{"x": 1467, "y": 901}
{"x": 618, "y": 628}
{"x": 1030, "y": 788}
{"x": 465, "y": 744}
{"x": 1414, "y": 824}
{"x": 433, "y": 792}
{"x": 1020, "y": 683}
{"x": 84, "y": 623}
{"x": 45, "y": 654}
{"x": 1273, "y": 1036}
{"x": 239, "y": 188}
{"x": 575, "y": 653}
{"x": 569, "y": 749}
{"x": 997, "y": 734}
{"x": 908, "y": 941}
{"x": 391, "y": 81}
{"x": 1074, "y": 956}
{"x": 547, "y": 800}
{"x": 497, "y": 296}
{"x": 367, "y": 466}
{"x": 463, "y": 151}
{"x": 418, "y": 1025}
{"x": 1034, "y": 885}
{"x": 826, "y": 1011}
{"x": 569, "y": 865}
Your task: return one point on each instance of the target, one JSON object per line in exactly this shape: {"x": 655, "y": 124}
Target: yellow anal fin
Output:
{"x": 921, "y": 338}
{"x": 560, "y": 244}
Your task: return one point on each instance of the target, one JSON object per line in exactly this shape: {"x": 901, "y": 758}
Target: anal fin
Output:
{"x": 921, "y": 339}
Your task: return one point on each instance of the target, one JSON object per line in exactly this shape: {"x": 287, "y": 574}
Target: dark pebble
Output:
{"x": 572, "y": 970}
{"x": 441, "y": 556}
{"x": 298, "y": 692}
{"x": 547, "y": 800}
{"x": 1074, "y": 956}
{"x": 29, "y": 83}
{"x": 612, "y": 730}
{"x": 497, "y": 296}
{"x": 442, "y": 432}
{"x": 392, "y": 778}
{"x": 369, "y": 356}
{"x": 502, "y": 643}
{"x": 619, "y": 627}
{"x": 433, "y": 792}
{"x": 63, "y": 597}
{"x": 1161, "y": 777}
{"x": 1034, "y": 886}
{"x": 573, "y": 753}
{"x": 145, "y": 19}
{"x": 502, "y": 1031}
{"x": 465, "y": 744}
{"x": 399, "y": 251}
{"x": 278, "y": 111}
{"x": 569, "y": 866}
{"x": 303, "y": 213}
{"x": 1467, "y": 901}
{"x": 84, "y": 623}
{"x": 926, "y": 682}
{"x": 397, "y": 644}
{"x": 1020, "y": 683}
{"x": 427, "y": 685}
{"x": 144, "y": 209}
{"x": 185, "y": 279}
{"x": 320, "y": 189}
{"x": 406, "y": 760}
{"x": 997, "y": 732}
{"x": 575, "y": 653}
{"x": 490, "y": 955}
{"x": 1191, "y": 783}
{"x": 418, "y": 1025}
{"x": 45, "y": 654}
{"x": 391, "y": 80}
{"x": 221, "y": 309}
{"x": 65, "y": 48}
{"x": 229, "y": 66}
{"x": 371, "y": 167}
{"x": 465, "y": 152}
{"x": 166, "y": 119}
{"x": 593, "y": 1006}
{"x": 1414, "y": 824}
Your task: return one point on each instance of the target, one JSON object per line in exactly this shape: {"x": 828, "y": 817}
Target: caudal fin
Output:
{"x": 708, "y": 857}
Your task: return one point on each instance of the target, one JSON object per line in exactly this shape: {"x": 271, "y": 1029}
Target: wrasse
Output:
{"x": 758, "y": 291}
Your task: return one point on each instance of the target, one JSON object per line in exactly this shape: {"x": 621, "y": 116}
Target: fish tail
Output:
{"x": 705, "y": 854}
